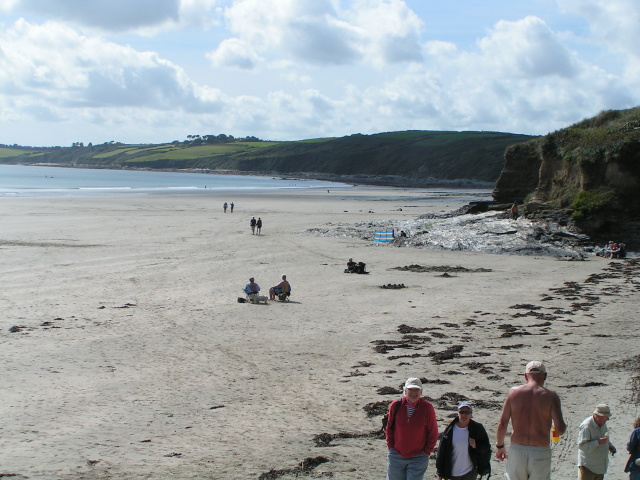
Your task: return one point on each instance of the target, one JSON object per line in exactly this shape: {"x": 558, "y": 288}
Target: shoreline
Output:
{"x": 358, "y": 179}
{"x": 134, "y": 359}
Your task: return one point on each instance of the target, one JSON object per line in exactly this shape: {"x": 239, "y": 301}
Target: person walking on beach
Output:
{"x": 531, "y": 408}
{"x": 411, "y": 434}
{"x": 633, "y": 447}
{"x": 594, "y": 445}
{"x": 259, "y": 225}
{"x": 231, "y": 207}
{"x": 252, "y": 223}
{"x": 225, "y": 207}
{"x": 464, "y": 451}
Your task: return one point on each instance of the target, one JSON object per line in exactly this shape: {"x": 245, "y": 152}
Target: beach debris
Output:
{"x": 441, "y": 268}
{"x": 325, "y": 439}
{"x": 364, "y": 364}
{"x": 377, "y": 408}
{"x": 588, "y": 384}
{"x": 407, "y": 329}
{"x": 451, "y": 352}
{"x": 393, "y": 286}
{"x": 91, "y": 463}
{"x": 215, "y": 407}
{"x": 173, "y": 454}
{"x": 389, "y": 391}
{"x": 305, "y": 465}
{"x": 127, "y": 305}
{"x": 526, "y": 306}
{"x": 16, "y": 329}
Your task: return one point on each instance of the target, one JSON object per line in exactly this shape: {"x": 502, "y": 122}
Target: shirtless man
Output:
{"x": 531, "y": 408}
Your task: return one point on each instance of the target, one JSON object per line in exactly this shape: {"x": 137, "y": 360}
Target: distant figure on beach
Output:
{"x": 632, "y": 466}
{"x": 225, "y": 207}
{"x": 282, "y": 287}
{"x": 411, "y": 434}
{"x": 351, "y": 266}
{"x": 231, "y": 207}
{"x": 514, "y": 210}
{"x": 531, "y": 408}
{"x": 259, "y": 225}
{"x": 465, "y": 450}
{"x": 252, "y": 223}
{"x": 594, "y": 445}
{"x": 252, "y": 287}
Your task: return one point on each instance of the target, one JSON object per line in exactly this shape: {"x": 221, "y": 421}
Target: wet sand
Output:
{"x": 133, "y": 359}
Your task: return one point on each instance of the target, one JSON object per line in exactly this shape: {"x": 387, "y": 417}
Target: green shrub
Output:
{"x": 590, "y": 201}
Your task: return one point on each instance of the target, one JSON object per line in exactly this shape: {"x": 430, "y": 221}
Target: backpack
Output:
{"x": 483, "y": 463}
{"x": 385, "y": 419}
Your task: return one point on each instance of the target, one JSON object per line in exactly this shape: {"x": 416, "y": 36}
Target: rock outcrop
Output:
{"x": 591, "y": 169}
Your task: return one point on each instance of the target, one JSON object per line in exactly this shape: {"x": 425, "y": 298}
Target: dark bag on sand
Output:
{"x": 241, "y": 300}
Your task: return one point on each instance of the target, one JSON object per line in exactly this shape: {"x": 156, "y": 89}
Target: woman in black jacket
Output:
{"x": 464, "y": 451}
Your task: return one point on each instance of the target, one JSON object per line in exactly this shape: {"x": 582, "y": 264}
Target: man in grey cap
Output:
{"x": 531, "y": 408}
{"x": 594, "y": 445}
{"x": 411, "y": 433}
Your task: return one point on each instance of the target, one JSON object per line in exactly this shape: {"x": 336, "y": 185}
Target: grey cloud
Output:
{"x": 115, "y": 15}
{"x": 317, "y": 42}
{"x": 154, "y": 87}
{"x": 396, "y": 49}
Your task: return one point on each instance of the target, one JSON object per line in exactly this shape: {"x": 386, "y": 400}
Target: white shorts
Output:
{"x": 528, "y": 463}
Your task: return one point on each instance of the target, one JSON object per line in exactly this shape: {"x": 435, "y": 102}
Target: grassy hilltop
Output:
{"x": 416, "y": 157}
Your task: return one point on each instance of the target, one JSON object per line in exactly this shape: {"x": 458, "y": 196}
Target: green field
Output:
{"x": 476, "y": 156}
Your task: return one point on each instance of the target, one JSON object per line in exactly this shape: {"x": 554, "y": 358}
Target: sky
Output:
{"x": 155, "y": 71}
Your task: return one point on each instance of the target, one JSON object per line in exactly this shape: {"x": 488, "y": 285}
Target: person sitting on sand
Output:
{"x": 252, "y": 287}
{"x": 282, "y": 287}
{"x": 608, "y": 249}
{"x": 615, "y": 251}
{"x": 351, "y": 266}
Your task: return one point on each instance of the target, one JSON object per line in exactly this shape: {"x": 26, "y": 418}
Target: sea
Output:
{"x": 43, "y": 181}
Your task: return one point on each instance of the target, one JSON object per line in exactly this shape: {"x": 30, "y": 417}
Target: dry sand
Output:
{"x": 135, "y": 361}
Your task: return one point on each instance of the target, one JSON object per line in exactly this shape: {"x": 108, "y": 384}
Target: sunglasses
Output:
{"x": 465, "y": 412}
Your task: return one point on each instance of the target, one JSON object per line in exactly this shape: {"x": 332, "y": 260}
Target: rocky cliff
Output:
{"x": 590, "y": 169}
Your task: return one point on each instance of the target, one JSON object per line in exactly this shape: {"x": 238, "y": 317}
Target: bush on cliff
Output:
{"x": 591, "y": 201}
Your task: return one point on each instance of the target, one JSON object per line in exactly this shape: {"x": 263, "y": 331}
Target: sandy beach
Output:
{"x": 132, "y": 358}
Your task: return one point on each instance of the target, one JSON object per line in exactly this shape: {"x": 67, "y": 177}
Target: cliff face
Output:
{"x": 592, "y": 169}
{"x": 520, "y": 175}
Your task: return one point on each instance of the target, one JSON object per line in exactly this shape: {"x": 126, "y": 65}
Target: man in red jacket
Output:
{"x": 412, "y": 434}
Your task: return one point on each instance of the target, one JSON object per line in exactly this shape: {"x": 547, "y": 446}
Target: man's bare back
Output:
{"x": 530, "y": 408}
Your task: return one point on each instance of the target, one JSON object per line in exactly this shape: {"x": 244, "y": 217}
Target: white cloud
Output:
{"x": 389, "y": 32}
{"x": 233, "y": 52}
{"x": 54, "y": 63}
{"x": 526, "y": 48}
{"x": 119, "y": 15}
{"x": 614, "y": 25}
{"x": 379, "y": 32}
